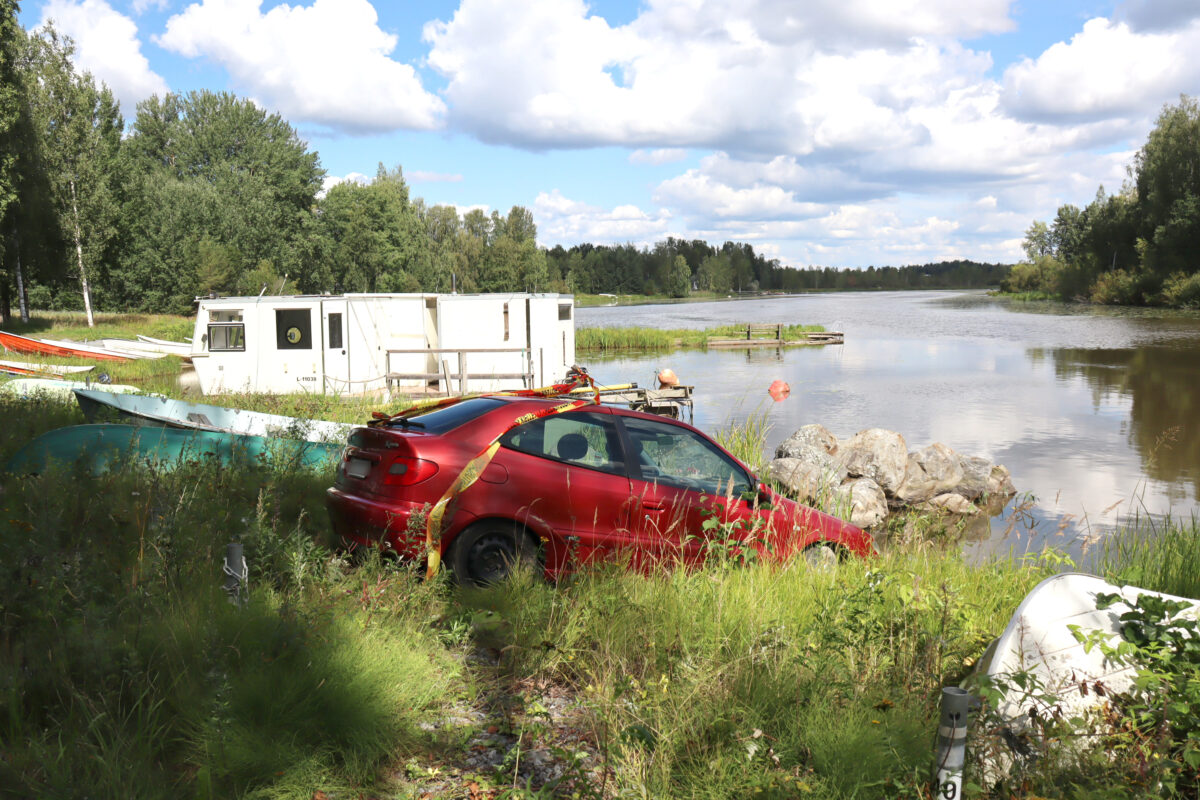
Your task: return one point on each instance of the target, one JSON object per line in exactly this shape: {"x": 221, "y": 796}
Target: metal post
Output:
{"x": 951, "y": 744}
{"x": 236, "y": 573}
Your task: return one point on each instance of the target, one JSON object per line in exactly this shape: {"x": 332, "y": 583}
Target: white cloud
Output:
{"x": 663, "y": 155}
{"x": 696, "y": 191}
{"x": 424, "y": 176}
{"x": 331, "y": 181}
{"x": 107, "y": 45}
{"x": 561, "y": 220}
{"x": 763, "y": 76}
{"x": 326, "y": 63}
{"x": 1106, "y": 70}
{"x": 140, "y": 7}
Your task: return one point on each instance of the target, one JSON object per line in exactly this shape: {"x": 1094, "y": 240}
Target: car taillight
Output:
{"x": 405, "y": 471}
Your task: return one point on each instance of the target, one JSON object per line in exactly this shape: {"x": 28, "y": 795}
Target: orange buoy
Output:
{"x": 779, "y": 390}
{"x": 667, "y": 378}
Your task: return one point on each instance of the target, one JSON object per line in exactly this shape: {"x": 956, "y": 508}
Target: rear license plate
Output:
{"x": 358, "y": 468}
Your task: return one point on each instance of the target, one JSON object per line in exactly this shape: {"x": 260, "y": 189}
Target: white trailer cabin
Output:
{"x": 356, "y": 344}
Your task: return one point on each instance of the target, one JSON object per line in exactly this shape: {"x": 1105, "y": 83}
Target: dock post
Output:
{"x": 951, "y": 744}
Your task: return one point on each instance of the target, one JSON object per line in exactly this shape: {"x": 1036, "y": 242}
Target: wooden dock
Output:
{"x": 670, "y": 402}
{"x": 771, "y": 335}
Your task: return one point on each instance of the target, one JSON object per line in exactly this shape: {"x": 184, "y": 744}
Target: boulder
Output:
{"x": 976, "y": 472}
{"x": 929, "y": 472}
{"x": 810, "y": 437}
{"x": 1000, "y": 482}
{"x": 878, "y": 454}
{"x": 806, "y": 478}
{"x": 950, "y": 503}
{"x": 863, "y": 499}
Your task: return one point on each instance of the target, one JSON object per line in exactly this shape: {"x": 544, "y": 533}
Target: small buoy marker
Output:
{"x": 667, "y": 378}
{"x": 779, "y": 390}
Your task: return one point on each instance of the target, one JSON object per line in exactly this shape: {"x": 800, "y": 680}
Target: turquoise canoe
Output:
{"x": 100, "y": 447}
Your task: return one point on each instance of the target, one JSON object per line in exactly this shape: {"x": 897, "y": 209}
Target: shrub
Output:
{"x": 1124, "y": 288}
{"x": 1182, "y": 290}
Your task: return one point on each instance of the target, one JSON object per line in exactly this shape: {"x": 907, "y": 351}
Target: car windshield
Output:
{"x": 451, "y": 417}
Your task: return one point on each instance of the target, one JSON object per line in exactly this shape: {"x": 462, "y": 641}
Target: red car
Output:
{"x": 566, "y": 489}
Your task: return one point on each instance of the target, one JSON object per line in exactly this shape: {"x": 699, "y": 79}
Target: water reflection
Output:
{"x": 1093, "y": 410}
{"x": 1164, "y": 411}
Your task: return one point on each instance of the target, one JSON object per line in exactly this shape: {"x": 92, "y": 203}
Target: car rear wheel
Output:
{"x": 489, "y": 552}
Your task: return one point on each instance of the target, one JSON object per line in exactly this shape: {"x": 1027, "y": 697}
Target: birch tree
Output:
{"x": 80, "y": 125}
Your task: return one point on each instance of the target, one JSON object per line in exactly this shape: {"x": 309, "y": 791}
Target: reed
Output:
{"x": 1158, "y": 554}
{"x": 640, "y": 338}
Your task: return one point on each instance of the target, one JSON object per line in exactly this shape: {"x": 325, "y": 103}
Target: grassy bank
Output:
{"x": 634, "y": 338}
{"x": 125, "y": 672}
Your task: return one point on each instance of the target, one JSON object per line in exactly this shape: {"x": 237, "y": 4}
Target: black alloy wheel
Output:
{"x": 489, "y": 551}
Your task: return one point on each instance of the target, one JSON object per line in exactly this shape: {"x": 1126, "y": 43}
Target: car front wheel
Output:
{"x": 489, "y": 552}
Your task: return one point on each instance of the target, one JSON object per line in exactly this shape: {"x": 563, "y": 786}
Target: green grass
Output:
{"x": 1155, "y": 554}
{"x": 635, "y": 338}
{"x": 778, "y": 681}
{"x": 73, "y": 325}
{"x": 125, "y": 672}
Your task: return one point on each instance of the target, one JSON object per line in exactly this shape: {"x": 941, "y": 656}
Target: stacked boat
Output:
{"x": 102, "y": 349}
{"x": 172, "y": 432}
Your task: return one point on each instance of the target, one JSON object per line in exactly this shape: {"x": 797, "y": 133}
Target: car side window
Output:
{"x": 675, "y": 456}
{"x": 585, "y": 440}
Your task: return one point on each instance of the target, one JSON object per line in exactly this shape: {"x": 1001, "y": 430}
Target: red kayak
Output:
{"x": 23, "y": 344}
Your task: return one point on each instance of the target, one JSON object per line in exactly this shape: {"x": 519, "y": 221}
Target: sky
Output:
{"x": 824, "y": 132}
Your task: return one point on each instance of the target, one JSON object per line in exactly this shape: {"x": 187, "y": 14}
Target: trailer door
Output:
{"x": 336, "y": 347}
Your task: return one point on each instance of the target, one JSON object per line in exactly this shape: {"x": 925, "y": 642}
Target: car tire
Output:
{"x": 489, "y": 551}
{"x": 821, "y": 556}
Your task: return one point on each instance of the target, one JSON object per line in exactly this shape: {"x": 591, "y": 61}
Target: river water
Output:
{"x": 1095, "y": 411}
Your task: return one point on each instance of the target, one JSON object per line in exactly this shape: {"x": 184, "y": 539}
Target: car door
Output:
{"x": 567, "y": 473}
{"x": 679, "y": 479}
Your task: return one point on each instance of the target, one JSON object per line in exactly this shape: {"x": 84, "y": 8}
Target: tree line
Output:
{"x": 1136, "y": 247}
{"x": 205, "y": 192}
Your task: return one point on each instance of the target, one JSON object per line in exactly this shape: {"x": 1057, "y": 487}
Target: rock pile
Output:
{"x": 873, "y": 471}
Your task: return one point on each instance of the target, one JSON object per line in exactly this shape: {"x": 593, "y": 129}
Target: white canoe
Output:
{"x": 130, "y": 347}
{"x": 164, "y": 346}
{"x": 30, "y": 366}
{"x": 33, "y": 387}
{"x": 1038, "y": 642}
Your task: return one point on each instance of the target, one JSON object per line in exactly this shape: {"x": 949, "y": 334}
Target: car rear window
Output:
{"x": 451, "y": 417}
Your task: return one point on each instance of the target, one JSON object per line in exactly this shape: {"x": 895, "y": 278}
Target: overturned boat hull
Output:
{"x": 97, "y": 404}
{"x": 37, "y": 369}
{"x": 99, "y": 448}
{"x": 49, "y": 347}
{"x": 31, "y": 387}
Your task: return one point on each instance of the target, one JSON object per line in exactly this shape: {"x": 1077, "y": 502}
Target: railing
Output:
{"x": 464, "y": 377}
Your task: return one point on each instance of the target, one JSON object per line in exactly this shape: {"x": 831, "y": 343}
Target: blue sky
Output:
{"x": 829, "y": 132}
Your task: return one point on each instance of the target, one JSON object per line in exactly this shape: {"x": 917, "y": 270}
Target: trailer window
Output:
{"x": 226, "y": 336}
{"x": 335, "y": 332}
{"x": 293, "y": 329}
{"x": 564, "y": 311}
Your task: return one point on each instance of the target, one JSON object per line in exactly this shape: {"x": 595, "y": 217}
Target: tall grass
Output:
{"x": 125, "y": 672}
{"x": 773, "y": 681}
{"x": 1162, "y": 555}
